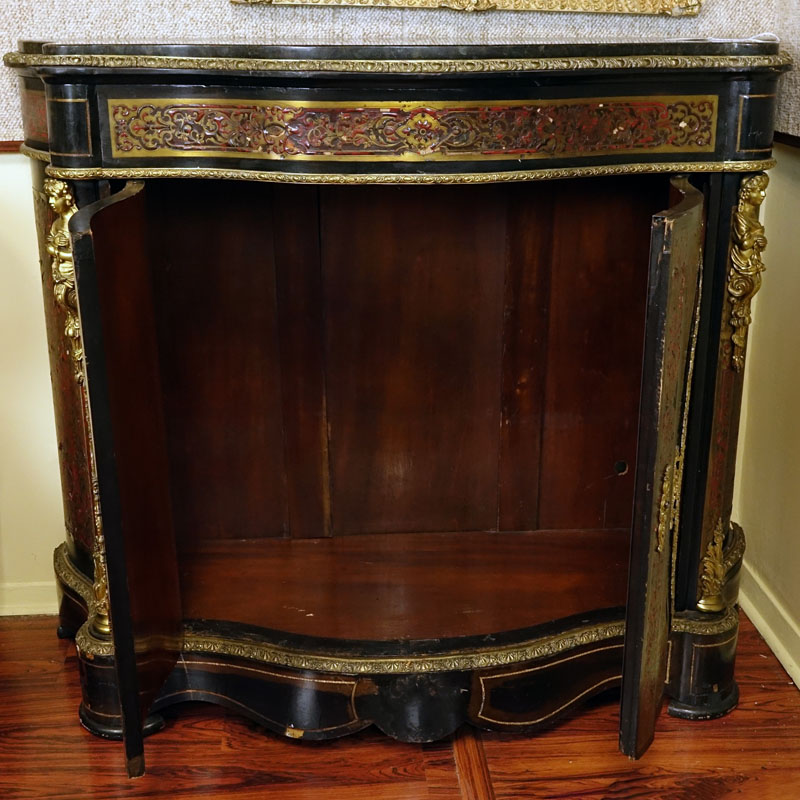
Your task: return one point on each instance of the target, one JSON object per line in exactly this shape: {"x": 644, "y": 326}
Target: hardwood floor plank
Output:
{"x": 204, "y": 751}
{"x": 751, "y": 753}
{"x": 440, "y": 771}
{"x": 473, "y": 769}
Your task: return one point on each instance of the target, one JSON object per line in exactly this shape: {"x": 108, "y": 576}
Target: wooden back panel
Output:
{"x": 342, "y": 360}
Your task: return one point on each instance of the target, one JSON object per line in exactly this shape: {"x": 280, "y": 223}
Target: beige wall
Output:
{"x": 767, "y": 501}
{"x": 31, "y": 515}
{"x": 768, "y": 488}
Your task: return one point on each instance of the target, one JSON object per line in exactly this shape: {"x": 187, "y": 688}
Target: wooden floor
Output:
{"x": 205, "y": 752}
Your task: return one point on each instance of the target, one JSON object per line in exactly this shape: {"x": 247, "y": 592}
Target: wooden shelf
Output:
{"x": 406, "y": 586}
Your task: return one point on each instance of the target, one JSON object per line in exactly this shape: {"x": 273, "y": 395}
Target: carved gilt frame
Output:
{"x": 671, "y": 8}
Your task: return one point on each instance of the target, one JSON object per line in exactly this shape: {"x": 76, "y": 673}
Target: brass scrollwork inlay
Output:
{"x": 681, "y": 623}
{"x": 403, "y": 130}
{"x": 680, "y": 455}
{"x": 101, "y": 619}
{"x": 420, "y": 178}
{"x": 744, "y": 277}
{"x": 665, "y": 508}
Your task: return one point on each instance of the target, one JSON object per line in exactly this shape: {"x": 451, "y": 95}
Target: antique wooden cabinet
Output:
{"x": 399, "y": 386}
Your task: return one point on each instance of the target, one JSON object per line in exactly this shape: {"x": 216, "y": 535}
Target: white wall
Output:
{"x": 31, "y": 512}
{"x": 767, "y": 500}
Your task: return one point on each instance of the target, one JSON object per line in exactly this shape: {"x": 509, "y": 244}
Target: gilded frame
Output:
{"x": 671, "y": 8}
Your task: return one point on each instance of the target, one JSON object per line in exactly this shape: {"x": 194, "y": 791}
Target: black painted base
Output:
{"x": 716, "y": 705}
{"x": 112, "y": 729}
{"x": 702, "y": 659}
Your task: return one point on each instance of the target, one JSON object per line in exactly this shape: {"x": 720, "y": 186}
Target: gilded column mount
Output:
{"x": 713, "y": 572}
{"x": 718, "y": 566}
{"x": 62, "y": 266}
{"x": 744, "y": 277}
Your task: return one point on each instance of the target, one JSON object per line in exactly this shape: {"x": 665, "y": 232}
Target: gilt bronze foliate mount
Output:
{"x": 62, "y": 267}
{"x": 746, "y": 265}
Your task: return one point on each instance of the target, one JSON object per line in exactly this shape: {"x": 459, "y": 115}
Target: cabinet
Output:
{"x": 399, "y": 386}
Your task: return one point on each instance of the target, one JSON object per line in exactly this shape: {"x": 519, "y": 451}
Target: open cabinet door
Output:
{"x": 115, "y": 299}
{"x": 673, "y": 294}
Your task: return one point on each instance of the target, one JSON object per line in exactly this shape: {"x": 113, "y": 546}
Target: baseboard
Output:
{"x": 35, "y": 597}
{"x": 772, "y": 619}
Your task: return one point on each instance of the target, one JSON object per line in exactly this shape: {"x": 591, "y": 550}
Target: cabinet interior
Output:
{"x": 391, "y": 412}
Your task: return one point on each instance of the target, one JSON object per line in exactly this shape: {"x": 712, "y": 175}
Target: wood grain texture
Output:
{"x": 473, "y": 769}
{"x": 595, "y": 336}
{"x": 213, "y": 271}
{"x": 347, "y": 360}
{"x": 425, "y": 585}
{"x": 298, "y": 277}
{"x": 206, "y": 752}
{"x": 10, "y": 146}
{"x": 413, "y": 312}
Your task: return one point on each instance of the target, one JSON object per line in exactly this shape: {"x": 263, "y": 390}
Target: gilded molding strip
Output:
{"x": 70, "y": 575}
{"x": 448, "y": 662}
{"x": 665, "y": 507}
{"x": 702, "y": 627}
{"x": 672, "y": 8}
{"x": 420, "y": 130}
{"x": 32, "y": 152}
{"x": 552, "y": 173}
{"x": 744, "y": 276}
{"x": 399, "y": 66}
{"x": 91, "y": 646}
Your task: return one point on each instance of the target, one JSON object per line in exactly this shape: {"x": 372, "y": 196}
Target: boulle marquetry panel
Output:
{"x": 413, "y": 130}
{"x": 399, "y": 386}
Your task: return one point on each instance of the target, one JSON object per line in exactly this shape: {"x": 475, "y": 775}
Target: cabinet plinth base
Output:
{"x": 306, "y": 688}
{"x": 112, "y": 728}
{"x": 702, "y": 655}
{"x": 715, "y": 705}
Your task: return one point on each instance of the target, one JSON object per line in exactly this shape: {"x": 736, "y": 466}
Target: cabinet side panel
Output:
{"x": 76, "y": 482}
{"x": 601, "y": 240}
{"x": 413, "y": 280}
